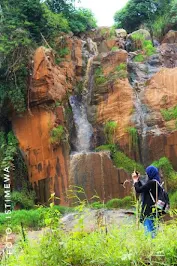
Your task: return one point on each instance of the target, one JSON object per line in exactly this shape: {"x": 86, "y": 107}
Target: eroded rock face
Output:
{"x": 48, "y": 82}
{"x": 117, "y": 105}
{"x": 112, "y": 100}
{"x": 168, "y": 53}
{"x": 162, "y": 90}
{"x": 47, "y": 164}
{"x": 98, "y": 176}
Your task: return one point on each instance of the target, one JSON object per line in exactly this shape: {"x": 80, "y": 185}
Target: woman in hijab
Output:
{"x": 148, "y": 191}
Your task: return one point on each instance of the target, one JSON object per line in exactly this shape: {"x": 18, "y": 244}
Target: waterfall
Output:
{"x": 139, "y": 73}
{"x": 84, "y": 129}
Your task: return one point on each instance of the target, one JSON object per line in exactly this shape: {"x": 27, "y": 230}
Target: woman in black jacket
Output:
{"x": 149, "y": 192}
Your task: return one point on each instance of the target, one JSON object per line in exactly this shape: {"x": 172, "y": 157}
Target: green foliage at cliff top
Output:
{"x": 156, "y": 15}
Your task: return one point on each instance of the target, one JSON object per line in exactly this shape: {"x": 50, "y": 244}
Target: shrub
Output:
{"x": 57, "y": 134}
{"x": 169, "y": 114}
{"x": 24, "y": 198}
{"x": 168, "y": 171}
{"x": 159, "y": 26}
{"x": 99, "y": 76}
{"x": 148, "y": 48}
{"x": 133, "y": 138}
{"x": 121, "y": 66}
{"x": 114, "y": 48}
{"x": 96, "y": 205}
{"x": 119, "y": 203}
{"x": 121, "y": 160}
{"x": 173, "y": 200}
{"x": 109, "y": 131}
{"x": 139, "y": 58}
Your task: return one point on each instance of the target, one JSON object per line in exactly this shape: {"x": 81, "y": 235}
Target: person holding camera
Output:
{"x": 148, "y": 191}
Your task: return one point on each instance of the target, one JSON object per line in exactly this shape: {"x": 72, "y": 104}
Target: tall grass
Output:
{"x": 123, "y": 246}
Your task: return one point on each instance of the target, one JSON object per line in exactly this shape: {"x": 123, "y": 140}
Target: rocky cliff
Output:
{"x": 108, "y": 86}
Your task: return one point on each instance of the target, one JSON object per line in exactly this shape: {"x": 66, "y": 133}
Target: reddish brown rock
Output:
{"x": 97, "y": 175}
{"x": 47, "y": 164}
{"x": 162, "y": 90}
{"x": 48, "y": 82}
{"x": 170, "y": 37}
{"x": 117, "y": 106}
{"x": 113, "y": 59}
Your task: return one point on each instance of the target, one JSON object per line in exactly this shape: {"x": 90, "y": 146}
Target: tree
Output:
{"x": 137, "y": 12}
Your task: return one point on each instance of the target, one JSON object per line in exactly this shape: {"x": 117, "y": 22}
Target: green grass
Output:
{"x": 169, "y": 114}
{"x": 120, "y": 203}
{"x": 123, "y": 246}
{"x": 114, "y": 48}
{"x": 57, "y": 134}
{"x": 116, "y": 203}
{"x": 121, "y": 70}
{"x": 99, "y": 76}
{"x": 120, "y": 160}
{"x": 31, "y": 219}
{"x": 121, "y": 66}
{"x": 139, "y": 58}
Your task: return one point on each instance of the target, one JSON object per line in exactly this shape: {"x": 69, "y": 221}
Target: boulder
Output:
{"x": 121, "y": 33}
{"x": 170, "y": 37}
{"x": 168, "y": 53}
{"x": 134, "y": 44}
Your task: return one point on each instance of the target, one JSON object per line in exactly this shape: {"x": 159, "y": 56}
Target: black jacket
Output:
{"x": 147, "y": 202}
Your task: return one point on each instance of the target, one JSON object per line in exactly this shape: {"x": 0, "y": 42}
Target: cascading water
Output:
{"x": 139, "y": 74}
{"x": 84, "y": 129}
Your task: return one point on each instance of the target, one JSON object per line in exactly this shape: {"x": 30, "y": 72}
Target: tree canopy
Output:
{"x": 137, "y": 12}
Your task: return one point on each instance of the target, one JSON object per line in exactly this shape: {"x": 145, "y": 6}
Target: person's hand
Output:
{"x": 135, "y": 177}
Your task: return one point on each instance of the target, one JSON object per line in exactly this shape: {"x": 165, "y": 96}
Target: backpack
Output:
{"x": 163, "y": 202}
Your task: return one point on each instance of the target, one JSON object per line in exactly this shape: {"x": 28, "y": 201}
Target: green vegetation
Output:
{"x": 121, "y": 160}
{"x": 57, "y": 135}
{"x": 126, "y": 202}
{"x": 139, "y": 58}
{"x": 120, "y": 203}
{"x": 168, "y": 171}
{"x": 121, "y": 66}
{"x": 24, "y": 26}
{"x": 148, "y": 48}
{"x": 169, "y": 114}
{"x": 133, "y": 138}
{"x": 31, "y": 219}
{"x": 109, "y": 131}
{"x": 99, "y": 76}
{"x": 8, "y": 149}
{"x": 114, "y": 48}
{"x": 173, "y": 200}
{"x": 121, "y": 71}
{"x": 145, "y": 45}
{"x": 124, "y": 245}
{"x": 24, "y": 198}
{"x": 157, "y": 16}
